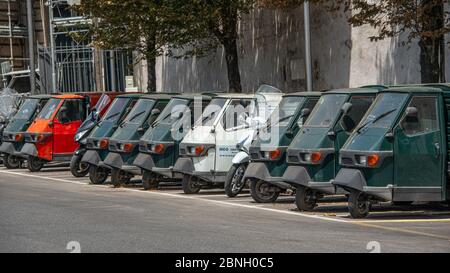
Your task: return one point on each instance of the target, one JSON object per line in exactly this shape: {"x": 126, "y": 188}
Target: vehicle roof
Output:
{"x": 236, "y": 95}
{"x": 354, "y": 91}
{"x": 415, "y": 89}
{"x": 160, "y": 96}
{"x": 68, "y": 96}
{"x": 191, "y": 96}
{"x": 303, "y": 94}
{"x": 132, "y": 95}
{"x": 44, "y": 96}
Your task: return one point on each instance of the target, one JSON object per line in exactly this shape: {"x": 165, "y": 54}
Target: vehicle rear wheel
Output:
{"x": 97, "y": 175}
{"x": 305, "y": 199}
{"x": 119, "y": 177}
{"x": 234, "y": 182}
{"x": 149, "y": 181}
{"x": 189, "y": 184}
{"x": 34, "y": 164}
{"x": 78, "y": 168}
{"x": 260, "y": 192}
{"x": 358, "y": 204}
{"x": 11, "y": 161}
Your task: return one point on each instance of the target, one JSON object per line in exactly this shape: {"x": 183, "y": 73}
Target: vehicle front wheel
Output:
{"x": 97, "y": 175}
{"x": 262, "y": 192}
{"x": 189, "y": 184}
{"x": 149, "y": 181}
{"x": 11, "y": 161}
{"x": 358, "y": 204}
{"x": 78, "y": 168}
{"x": 234, "y": 182}
{"x": 119, "y": 177}
{"x": 305, "y": 199}
{"x": 34, "y": 164}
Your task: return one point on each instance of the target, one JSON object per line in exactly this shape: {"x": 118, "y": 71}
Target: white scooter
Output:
{"x": 208, "y": 149}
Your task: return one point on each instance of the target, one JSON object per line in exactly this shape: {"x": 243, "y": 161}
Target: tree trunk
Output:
{"x": 431, "y": 61}
{"x": 151, "y": 74}
{"x": 232, "y": 60}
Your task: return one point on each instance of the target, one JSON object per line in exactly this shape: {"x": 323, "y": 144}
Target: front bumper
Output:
{"x": 92, "y": 157}
{"x": 113, "y": 160}
{"x": 7, "y": 148}
{"x": 144, "y": 161}
{"x": 353, "y": 179}
{"x": 29, "y": 149}
{"x": 185, "y": 165}
{"x": 259, "y": 171}
{"x": 299, "y": 176}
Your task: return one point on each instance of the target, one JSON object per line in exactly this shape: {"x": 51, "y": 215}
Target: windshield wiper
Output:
{"x": 375, "y": 120}
{"x": 114, "y": 115}
{"x": 269, "y": 125}
{"x": 137, "y": 115}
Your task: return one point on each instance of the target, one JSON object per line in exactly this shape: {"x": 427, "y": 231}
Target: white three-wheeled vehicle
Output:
{"x": 208, "y": 149}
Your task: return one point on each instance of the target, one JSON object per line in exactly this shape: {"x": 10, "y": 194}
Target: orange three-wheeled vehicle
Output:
{"x": 51, "y": 135}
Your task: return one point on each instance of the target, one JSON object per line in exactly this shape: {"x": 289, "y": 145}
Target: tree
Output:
{"x": 208, "y": 24}
{"x": 136, "y": 25}
{"x": 422, "y": 20}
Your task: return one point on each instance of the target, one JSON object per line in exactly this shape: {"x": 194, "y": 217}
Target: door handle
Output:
{"x": 437, "y": 149}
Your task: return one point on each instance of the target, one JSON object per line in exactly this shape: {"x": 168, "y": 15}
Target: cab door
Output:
{"x": 66, "y": 123}
{"x": 418, "y": 153}
{"x": 231, "y": 129}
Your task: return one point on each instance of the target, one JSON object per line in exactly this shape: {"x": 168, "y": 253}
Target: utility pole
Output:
{"x": 309, "y": 82}
{"x": 31, "y": 45}
{"x": 52, "y": 44}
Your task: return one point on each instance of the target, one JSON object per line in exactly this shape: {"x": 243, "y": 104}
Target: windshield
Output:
{"x": 171, "y": 112}
{"x": 102, "y": 103}
{"x": 326, "y": 110}
{"x": 49, "y": 109}
{"x": 285, "y": 111}
{"x": 117, "y": 107}
{"x": 140, "y": 111}
{"x": 384, "y": 110}
{"x": 211, "y": 112}
{"x": 27, "y": 109}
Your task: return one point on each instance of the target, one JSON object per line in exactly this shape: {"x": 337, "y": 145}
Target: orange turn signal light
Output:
{"x": 159, "y": 148}
{"x": 372, "y": 160}
{"x": 199, "y": 150}
{"x": 41, "y": 138}
{"x": 315, "y": 157}
{"x": 103, "y": 144}
{"x": 127, "y": 147}
{"x": 275, "y": 154}
{"x": 18, "y": 137}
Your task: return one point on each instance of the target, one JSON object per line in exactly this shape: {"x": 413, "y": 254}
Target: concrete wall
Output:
{"x": 271, "y": 49}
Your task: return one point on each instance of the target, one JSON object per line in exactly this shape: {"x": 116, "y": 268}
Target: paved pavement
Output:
{"x": 43, "y": 212}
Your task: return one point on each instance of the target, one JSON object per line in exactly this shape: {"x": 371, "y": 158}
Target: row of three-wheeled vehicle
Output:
{"x": 372, "y": 144}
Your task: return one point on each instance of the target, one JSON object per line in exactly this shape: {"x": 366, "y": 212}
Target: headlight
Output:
{"x": 79, "y": 135}
{"x": 273, "y": 155}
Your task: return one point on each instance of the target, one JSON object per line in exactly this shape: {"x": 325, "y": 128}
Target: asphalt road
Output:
{"x": 43, "y": 212}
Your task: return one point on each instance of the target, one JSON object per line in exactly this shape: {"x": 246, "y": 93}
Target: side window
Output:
{"x": 359, "y": 108}
{"x": 160, "y": 105}
{"x": 236, "y": 113}
{"x": 310, "y": 104}
{"x": 427, "y": 117}
{"x": 71, "y": 110}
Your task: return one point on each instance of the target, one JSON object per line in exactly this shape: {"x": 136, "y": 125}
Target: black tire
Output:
{"x": 34, "y": 164}
{"x": 97, "y": 175}
{"x": 358, "y": 204}
{"x": 78, "y": 168}
{"x": 119, "y": 178}
{"x": 305, "y": 199}
{"x": 149, "y": 181}
{"x": 189, "y": 185}
{"x": 402, "y": 203}
{"x": 258, "y": 193}
{"x": 11, "y": 161}
{"x": 234, "y": 181}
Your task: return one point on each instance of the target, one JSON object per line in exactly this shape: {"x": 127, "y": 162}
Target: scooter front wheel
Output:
{"x": 34, "y": 164}
{"x": 149, "y": 181}
{"x": 97, "y": 175}
{"x": 234, "y": 181}
{"x": 305, "y": 199}
{"x": 78, "y": 168}
{"x": 11, "y": 161}
{"x": 119, "y": 177}
{"x": 358, "y": 204}
{"x": 262, "y": 193}
{"x": 189, "y": 185}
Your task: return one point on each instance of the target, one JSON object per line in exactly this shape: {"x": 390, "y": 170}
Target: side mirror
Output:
{"x": 412, "y": 114}
{"x": 289, "y": 133}
{"x": 346, "y": 108}
{"x": 347, "y": 123}
{"x": 155, "y": 112}
{"x": 305, "y": 112}
{"x": 242, "y": 119}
